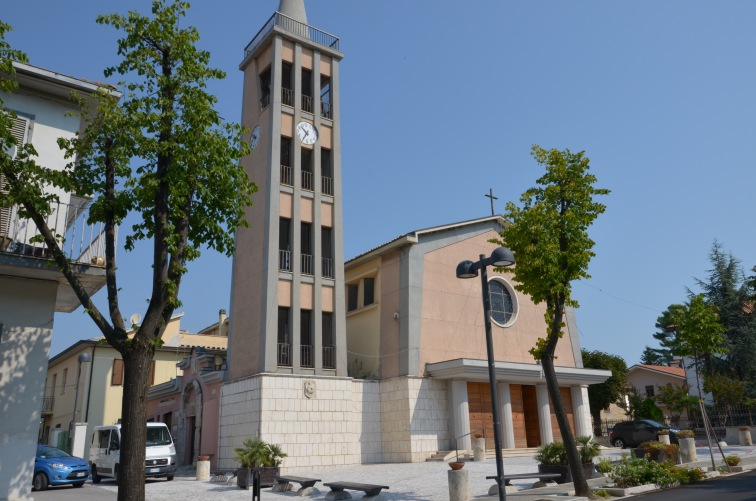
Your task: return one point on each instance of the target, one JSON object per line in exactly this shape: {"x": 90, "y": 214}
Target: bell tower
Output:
{"x": 287, "y": 289}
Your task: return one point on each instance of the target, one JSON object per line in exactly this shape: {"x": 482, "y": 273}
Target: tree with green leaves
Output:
{"x": 641, "y": 407}
{"x": 676, "y": 398}
{"x": 165, "y": 155}
{"x": 665, "y": 334}
{"x": 611, "y": 391}
{"x": 698, "y": 331}
{"x": 549, "y": 237}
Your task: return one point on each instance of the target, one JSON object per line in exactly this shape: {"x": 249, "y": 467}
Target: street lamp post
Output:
{"x": 500, "y": 258}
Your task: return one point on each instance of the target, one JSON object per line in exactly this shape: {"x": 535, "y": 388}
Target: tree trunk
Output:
{"x": 137, "y": 359}
{"x": 570, "y": 445}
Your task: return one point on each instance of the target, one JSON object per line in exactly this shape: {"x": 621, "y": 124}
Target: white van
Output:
{"x": 105, "y": 452}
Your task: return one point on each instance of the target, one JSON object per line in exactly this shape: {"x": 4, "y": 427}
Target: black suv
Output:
{"x": 634, "y": 433}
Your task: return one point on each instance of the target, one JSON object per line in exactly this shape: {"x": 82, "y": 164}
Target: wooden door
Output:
{"x": 530, "y": 409}
{"x": 567, "y": 399}
{"x": 480, "y": 408}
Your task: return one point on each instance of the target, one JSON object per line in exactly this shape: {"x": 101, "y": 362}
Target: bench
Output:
{"x": 372, "y": 492}
{"x": 283, "y": 483}
{"x": 542, "y": 477}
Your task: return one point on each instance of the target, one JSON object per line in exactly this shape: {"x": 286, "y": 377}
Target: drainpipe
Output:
{"x": 89, "y": 384}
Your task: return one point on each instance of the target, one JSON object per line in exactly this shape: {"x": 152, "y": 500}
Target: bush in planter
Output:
{"x": 732, "y": 460}
{"x": 256, "y": 453}
{"x": 685, "y": 434}
{"x": 552, "y": 458}
{"x": 631, "y": 472}
{"x": 663, "y": 432}
{"x": 660, "y": 451}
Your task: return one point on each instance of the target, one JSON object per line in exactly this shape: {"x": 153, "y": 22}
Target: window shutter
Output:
{"x": 19, "y": 130}
{"x": 152, "y": 374}
{"x": 117, "y": 378}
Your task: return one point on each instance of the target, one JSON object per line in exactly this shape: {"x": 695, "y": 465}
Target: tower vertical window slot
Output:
{"x": 326, "y": 171}
{"x": 284, "y": 337}
{"x": 284, "y": 244}
{"x": 287, "y": 92}
{"x": 306, "y": 249}
{"x": 305, "y": 339}
{"x": 326, "y": 251}
{"x": 329, "y": 350}
{"x": 306, "y": 160}
{"x": 306, "y": 90}
{"x": 265, "y": 88}
{"x": 325, "y": 97}
{"x": 286, "y": 172}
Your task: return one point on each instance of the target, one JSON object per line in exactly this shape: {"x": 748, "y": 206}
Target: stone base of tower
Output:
{"x": 330, "y": 421}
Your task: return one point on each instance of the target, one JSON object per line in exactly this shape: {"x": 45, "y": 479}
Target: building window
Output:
{"x": 368, "y": 292}
{"x": 329, "y": 351}
{"x": 326, "y": 251}
{"x": 503, "y": 302}
{"x": 65, "y": 381}
{"x": 284, "y": 337}
{"x": 325, "y": 97}
{"x": 326, "y": 171}
{"x": 265, "y": 88}
{"x": 305, "y": 237}
{"x": 54, "y": 384}
{"x": 649, "y": 391}
{"x": 305, "y": 338}
{"x": 353, "y": 291}
{"x": 306, "y": 90}
{"x": 116, "y": 379}
{"x": 287, "y": 94}
{"x": 286, "y": 172}
{"x": 284, "y": 244}
{"x": 306, "y": 165}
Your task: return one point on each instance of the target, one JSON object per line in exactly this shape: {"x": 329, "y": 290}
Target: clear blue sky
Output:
{"x": 442, "y": 99}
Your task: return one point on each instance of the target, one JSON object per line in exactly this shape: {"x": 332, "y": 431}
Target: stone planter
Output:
{"x": 664, "y": 439}
{"x": 688, "y": 450}
{"x": 203, "y": 470}
{"x": 459, "y": 485}
{"x": 479, "y": 449}
{"x": 244, "y": 478}
{"x": 588, "y": 469}
{"x": 744, "y": 437}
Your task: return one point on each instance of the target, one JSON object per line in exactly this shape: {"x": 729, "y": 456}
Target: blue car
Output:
{"x": 53, "y": 466}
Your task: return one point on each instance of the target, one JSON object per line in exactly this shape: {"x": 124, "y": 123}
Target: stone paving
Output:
{"x": 409, "y": 482}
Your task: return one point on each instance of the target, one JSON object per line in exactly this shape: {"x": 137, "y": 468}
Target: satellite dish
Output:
{"x": 11, "y": 151}
{"x": 135, "y": 319}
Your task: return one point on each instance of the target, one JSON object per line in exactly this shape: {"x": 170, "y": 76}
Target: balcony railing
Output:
{"x": 307, "y": 266}
{"x": 81, "y": 242}
{"x": 284, "y": 260}
{"x": 287, "y": 96}
{"x": 47, "y": 405}
{"x": 286, "y": 176}
{"x": 327, "y": 185}
{"x": 329, "y": 357}
{"x": 327, "y": 264}
{"x": 307, "y": 180}
{"x": 286, "y": 23}
{"x": 284, "y": 354}
{"x": 306, "y": 103}
{"x": 306, "y": 356}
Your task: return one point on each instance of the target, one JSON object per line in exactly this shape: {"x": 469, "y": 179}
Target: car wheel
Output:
{"x": 78, "y": 484}
{"x": 169, "y": 477}
{"x": 117, "y": 474}
{"x": 39, "y": 483}
{"x": 95, "y": 477}
{"x": 618, "y": 442}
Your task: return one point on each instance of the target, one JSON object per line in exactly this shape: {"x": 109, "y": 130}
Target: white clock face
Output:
{"x": 307, "y": 133}
{"x": 254, "y": 139}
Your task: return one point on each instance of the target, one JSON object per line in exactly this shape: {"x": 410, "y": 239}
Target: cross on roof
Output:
{"x": 492, "y": 197}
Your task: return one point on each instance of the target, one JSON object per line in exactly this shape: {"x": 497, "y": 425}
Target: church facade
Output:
{"x": 381, "y": 358}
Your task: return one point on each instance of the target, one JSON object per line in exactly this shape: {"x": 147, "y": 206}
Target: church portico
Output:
{"x": 527, "y": 417}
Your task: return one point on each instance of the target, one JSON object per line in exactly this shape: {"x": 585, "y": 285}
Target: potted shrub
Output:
{"x": 664, "y": 436}
{"x": 265, "y": 457}
{"x": 732, "y": 460}
{"x": 687, "y": 446}
{"x": 552, "y": 458}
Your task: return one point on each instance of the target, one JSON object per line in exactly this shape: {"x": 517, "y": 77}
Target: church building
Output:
{"x": 381, "y": 358}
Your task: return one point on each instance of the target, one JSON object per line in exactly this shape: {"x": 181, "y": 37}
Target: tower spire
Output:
{"x": 294, "y": 9}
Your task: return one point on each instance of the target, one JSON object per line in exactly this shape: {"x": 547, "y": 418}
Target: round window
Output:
{"x": 503, "y": 302}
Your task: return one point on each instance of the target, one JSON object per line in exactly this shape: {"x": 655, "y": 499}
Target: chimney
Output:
{"x": 222, "y": 323}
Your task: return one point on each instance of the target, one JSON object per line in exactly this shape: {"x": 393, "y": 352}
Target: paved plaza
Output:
{"x": 415, "y": 481}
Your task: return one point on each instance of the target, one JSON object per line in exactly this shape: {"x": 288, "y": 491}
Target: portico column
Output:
{"x": 507, "y": 423}
{"x": 544, "y": 414}
{"x": 581, "y": 411}
{"x": 460, "y": 412}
